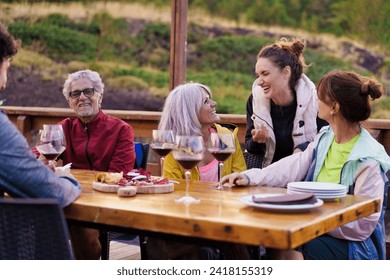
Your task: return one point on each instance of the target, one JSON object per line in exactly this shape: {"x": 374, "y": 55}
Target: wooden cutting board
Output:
{"x": 103, "y": 187}
{"x": 148, "y": 189}
{"x": 164, "y": 188}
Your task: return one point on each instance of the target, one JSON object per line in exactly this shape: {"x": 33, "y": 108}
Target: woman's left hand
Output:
{"x": 260, "y": 135}
{"x": 235, "y": 179}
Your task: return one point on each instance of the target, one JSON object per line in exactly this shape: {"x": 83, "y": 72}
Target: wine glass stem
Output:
{"x": 162, "y": 165}
{"x": 220, "y": 165}
{"x": 188, "y": 174}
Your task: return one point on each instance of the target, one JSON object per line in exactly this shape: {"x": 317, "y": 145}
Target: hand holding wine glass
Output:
{"x": 162, "y": 143}
{"x": 51, "y": 141}
{"x": 221, "y": 146}
{"x": 188, "y": 152}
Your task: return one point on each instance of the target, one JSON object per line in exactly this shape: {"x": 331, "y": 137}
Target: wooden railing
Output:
{"x": 29, "y": 119}
{"x": 143, "y": 122}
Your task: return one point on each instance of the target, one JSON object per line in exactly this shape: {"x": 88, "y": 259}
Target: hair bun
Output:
{"x": 372, "y": 88}
{"x": 298, "y": 46}
{"x": 364, "y": 89}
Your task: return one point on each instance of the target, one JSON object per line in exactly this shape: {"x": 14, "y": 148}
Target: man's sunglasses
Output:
{"x": 88, "y": 92}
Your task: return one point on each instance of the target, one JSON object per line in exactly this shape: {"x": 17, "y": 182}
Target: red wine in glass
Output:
{"x": 51, "y": 155}
{"x": 188, "y": 163}
{"x": 162, "y": 152}
{"x": 162, "y": 143}
{"x": 221, "y": 155}
{"x": 51, "y": 141}
{"x": 188, "y": 152}
{"x": 221, "y": 146}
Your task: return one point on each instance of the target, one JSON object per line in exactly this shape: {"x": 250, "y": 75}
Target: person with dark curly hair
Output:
{"x": 8, "y": 48}
{"x": 343, "y": 152}
{"x": 21, "y": 174}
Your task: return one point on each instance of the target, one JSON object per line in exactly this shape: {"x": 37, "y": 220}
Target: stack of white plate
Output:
{"x": 322, "y": 190}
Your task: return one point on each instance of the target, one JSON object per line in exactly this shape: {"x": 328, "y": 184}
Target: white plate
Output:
{"x": 247, "y": 199}
{"x": 316, "y": 191}
{"x": 317, "y": 186}
{"x": 326, "y": 197}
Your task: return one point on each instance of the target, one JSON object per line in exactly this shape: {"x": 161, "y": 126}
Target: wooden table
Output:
{"x": 219, "y": 215}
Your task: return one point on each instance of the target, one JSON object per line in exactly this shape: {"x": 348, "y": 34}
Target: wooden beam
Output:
{"x": 178, "y": 43}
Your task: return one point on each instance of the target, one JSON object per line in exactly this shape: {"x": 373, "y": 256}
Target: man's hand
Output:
{"x": 52, "y": 164}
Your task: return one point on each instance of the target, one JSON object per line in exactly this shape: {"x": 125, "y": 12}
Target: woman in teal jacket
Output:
{"x": 342, "y": 153}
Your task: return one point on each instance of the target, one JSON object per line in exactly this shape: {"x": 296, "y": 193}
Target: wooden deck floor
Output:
{"x": 125, "y": 250}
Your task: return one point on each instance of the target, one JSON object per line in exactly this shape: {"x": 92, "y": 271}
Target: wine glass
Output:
{"x": 221, "y": 146}
{"x": 51, "y": 141}
{"x": 162, "y": 144}
{"x": 188, "y": 152}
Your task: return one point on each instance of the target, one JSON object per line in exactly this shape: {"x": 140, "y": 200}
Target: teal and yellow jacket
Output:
{"x": 364, "y": 173}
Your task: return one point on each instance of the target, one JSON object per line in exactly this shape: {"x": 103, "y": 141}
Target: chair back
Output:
{"x": 33, "y": 229}
{"x": 141, "y": 153}
{"x": 252, "y": 160}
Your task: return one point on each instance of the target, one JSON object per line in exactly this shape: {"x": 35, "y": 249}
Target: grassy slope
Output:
{"x": 230, "y": 88}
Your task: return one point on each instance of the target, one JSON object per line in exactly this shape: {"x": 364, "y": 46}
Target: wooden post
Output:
{"x": 178, "y": 43}
{"x": 23, "y": 123}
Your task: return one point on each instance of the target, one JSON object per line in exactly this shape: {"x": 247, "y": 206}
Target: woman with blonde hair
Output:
{"x": 189, "y": 110}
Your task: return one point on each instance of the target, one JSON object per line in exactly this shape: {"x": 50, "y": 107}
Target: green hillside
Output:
{"x": 134, "y": 53}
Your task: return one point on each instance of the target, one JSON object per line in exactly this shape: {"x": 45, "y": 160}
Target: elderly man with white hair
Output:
{"x": 94, "y": 141}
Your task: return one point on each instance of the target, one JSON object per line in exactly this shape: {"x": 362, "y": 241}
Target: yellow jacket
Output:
{"x": 235, "y": 163}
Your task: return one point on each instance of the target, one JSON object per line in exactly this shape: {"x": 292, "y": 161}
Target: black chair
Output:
{"x": 33, "y": 229}
{"x": 252, "y": 160}
{"x": 142, "y": 153}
